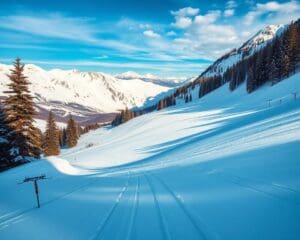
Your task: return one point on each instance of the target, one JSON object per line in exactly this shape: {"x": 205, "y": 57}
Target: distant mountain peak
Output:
{"x": 163, "y": 81}
{"x": 265, "y": 34}
{"x": 255, "y": 43}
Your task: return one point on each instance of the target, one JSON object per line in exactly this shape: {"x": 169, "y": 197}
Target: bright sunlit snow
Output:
{"x": 225, "y": 166}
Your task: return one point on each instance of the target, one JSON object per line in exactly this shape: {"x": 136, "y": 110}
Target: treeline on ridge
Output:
{"x": 274, "y": 62}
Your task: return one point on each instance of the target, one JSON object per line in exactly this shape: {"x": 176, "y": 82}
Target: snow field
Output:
{"x": 223, "y": 167}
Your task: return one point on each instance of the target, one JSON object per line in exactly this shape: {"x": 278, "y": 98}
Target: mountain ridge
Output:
{"x": 88, "y": 96}
{"x": 254, "y": 43}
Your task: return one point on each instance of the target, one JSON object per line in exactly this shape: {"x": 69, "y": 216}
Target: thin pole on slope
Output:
{"x": 36, "y": 189}
{"x": 295, "y": 95}
{"x": 269, "y": 102}
{"x": 36, "y": 186}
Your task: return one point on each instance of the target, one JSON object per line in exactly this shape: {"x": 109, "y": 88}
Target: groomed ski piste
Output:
{"x": 226, "y": 166}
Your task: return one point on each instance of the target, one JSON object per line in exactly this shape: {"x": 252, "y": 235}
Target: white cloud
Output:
{"x": 132, "y": 24}
{"x": 151, "y": 34}
{"x": 231, "y": 4}
{"x": 275, "y": 6}
{"x": 183, "y": 17}
{"x": 188, "y": 11}
{"x": 229, "y": 12}
{"x": 284, "y": 11}
{"x": 61, "y": 27}
{"x": 209, "y": 18}
{"x": 101, "y": 57}
{"x": 204, "y": 37}
{"x": 221, "y": 34}
{"x": 171, "y": 33}
{"x": 144, "y": 26}
{"x": 182, "y": 22}
{"x": 52, "y": 25}
{"x": 182, "y": 40}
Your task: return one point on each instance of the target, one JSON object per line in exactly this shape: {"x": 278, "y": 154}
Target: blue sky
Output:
{"x": 165, "y": 37}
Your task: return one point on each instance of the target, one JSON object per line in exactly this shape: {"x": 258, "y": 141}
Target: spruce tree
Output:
{"x": 19, "y": 110}
{"x": 186, "y": 98}
{"x": 127, "y": 116}
{"x": 251, "y": 82}
{"x": 6, "y": 148}
{"x": 297, "y": 54}
{"x": 71, "y": 133}
{"x": 160, "y": 105}
{"x": 292, "y": 45}
{"x": 51, "y": 139}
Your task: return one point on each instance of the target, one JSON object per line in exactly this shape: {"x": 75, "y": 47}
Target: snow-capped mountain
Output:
{"x": 89, "y": 96}
{"x": 255, "y": 43}
{"x": 191, "y": 88}
{"x": 164, "y": 81}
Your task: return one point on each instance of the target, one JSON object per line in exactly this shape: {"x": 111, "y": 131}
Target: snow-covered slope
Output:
{"x": 255, "y": 43}
{"x": 225, "y": 166}
{"x": 84, "y": 94}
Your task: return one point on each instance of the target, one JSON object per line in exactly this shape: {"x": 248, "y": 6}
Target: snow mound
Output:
{"x": 65, "y": 167}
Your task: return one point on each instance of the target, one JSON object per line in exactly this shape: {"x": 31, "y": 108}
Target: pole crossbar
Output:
{"x": 35, "y": 184}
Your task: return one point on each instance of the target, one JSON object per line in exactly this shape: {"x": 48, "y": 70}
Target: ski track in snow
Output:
{"x": 278, "y": 192}
{"x": 162, "y": 220}
{"x": 182, "y": 206}
{"x": 101, "y": 227}
{"x": 134, "y": 210}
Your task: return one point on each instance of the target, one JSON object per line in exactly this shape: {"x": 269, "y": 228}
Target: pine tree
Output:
{"x": 251, "y": 81}
{"x": 51, "y": 139}
{"x": 71, "y": 133}
{"x": 291, "y": 48}
{"x": 19, "y": 110}
{"x": 285, "y": 55}
{"x": 186, "y": 98}
{"x": 6, "y": 153}
{"x": 160, "y": 105}
{"x": 232, "y": 83}
{"x": 127, "y": 115}
{"x": 274, "y": 70}
{"x": 297, "y": 52}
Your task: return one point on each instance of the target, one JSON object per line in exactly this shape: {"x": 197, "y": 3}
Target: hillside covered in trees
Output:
{"x": 276, "y": 61}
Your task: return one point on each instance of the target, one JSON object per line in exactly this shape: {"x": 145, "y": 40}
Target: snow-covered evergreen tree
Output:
{"x": 19, "y": 109}
{"x": 5, "y": 145}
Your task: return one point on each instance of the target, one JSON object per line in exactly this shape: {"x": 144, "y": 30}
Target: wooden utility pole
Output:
{"x": 36, "y": 186}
